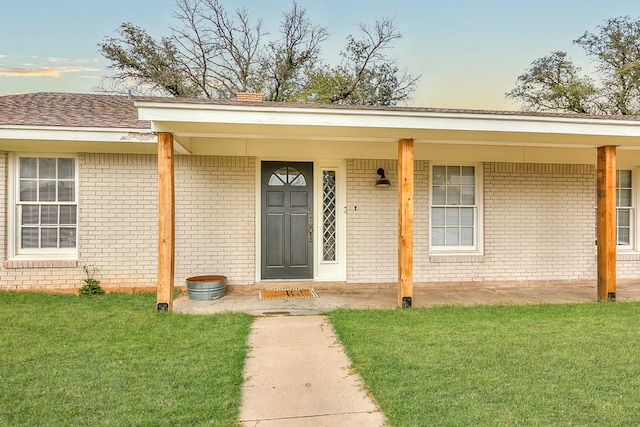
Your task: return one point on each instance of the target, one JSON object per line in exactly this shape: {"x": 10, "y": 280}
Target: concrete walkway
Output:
{"x": 297, "y": 374}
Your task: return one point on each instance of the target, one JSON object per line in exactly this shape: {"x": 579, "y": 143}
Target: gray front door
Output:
{"x": 287, "y": 220}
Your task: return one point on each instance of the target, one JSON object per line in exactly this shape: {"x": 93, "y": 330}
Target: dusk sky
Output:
{"x": 469, "y": 53}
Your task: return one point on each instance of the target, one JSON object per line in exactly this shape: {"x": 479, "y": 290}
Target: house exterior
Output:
{"x": 262, "y": 192}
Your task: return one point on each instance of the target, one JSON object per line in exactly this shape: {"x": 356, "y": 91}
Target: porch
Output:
{"x": 477, "y": 139}
{"x": 336, "y": 295}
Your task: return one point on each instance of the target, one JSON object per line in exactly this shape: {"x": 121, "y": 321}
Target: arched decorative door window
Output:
{"x": 287, "y": 175}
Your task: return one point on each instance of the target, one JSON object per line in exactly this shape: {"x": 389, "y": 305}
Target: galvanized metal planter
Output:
{"x": 204, "y": 288}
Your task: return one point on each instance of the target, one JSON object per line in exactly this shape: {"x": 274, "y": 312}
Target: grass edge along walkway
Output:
{"x": 570, "y": 364}
{"x": 114, "y": 360}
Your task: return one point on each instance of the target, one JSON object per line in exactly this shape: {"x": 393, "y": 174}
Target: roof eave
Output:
{"x": 86, "y": 134}
{"x": 401, "y": 119}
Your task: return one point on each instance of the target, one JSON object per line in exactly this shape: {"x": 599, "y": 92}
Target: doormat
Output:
{"x": 288, "y": 293}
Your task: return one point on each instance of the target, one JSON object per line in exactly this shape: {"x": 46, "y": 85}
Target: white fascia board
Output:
{"x": 487, "y": 122}
{"x": 58, "y": 133}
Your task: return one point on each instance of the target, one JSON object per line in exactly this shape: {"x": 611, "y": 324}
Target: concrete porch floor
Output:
{"x": 331, "y": 296}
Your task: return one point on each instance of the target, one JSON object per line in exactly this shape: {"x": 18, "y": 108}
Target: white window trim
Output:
{"x": 634, "y": 232}
{"x": 330, "y": 270}
{"x": 478, "y": 248}
{"x": 12, "y": 220}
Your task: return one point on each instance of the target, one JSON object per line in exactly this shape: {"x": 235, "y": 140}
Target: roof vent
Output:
{"x": 249, "y": 97}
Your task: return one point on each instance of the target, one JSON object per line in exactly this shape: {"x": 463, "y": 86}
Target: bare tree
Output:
{"x": 297, "y": 52}
{"x": 214, "y": 54}
{"x": 219, "y": 51}
{"x": 368, "y": 50}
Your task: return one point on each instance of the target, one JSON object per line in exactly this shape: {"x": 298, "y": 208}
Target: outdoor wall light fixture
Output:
{"x": 382, "y": 181}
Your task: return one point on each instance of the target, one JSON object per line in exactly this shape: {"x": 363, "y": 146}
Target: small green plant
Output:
{"x": 92, "y": 286}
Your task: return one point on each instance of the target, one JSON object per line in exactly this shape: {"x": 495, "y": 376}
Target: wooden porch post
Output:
{"x": 607, "y": 236}
{"x": 166, "y": 222}
{"x": 405, "y": 223}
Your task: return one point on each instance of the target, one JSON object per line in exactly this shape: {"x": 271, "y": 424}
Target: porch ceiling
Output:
{"x": 305, "y": 123}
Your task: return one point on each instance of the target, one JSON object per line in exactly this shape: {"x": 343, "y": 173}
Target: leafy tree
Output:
{"x": 139, "y": 58}
{"x": 554, "y": 83}
{"x": 366, "y": 75}
{"x": 214, "y": 54}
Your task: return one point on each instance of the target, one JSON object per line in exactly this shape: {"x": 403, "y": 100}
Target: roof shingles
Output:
{"x": 70, "y": 110}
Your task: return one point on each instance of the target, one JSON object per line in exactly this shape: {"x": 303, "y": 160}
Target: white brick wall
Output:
{"x": 118, "y": 217}
{"x": 628, "y": 266}
{"x": 215, "y": 222}
{"x": 538, "y": 225}
{"x": 549, "y": 230}
{"x": 371, "y": 222}
{"x": 421, "y": 220}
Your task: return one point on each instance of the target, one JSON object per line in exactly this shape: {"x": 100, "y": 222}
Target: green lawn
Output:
{"x": 113, "y": 360}
{"x": 535, "y": 365}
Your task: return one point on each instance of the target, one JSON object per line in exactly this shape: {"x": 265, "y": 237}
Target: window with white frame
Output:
{"x": 46, "y": 205}
{"x": 329, "y": 216}
{"x": 625, "y": 216}
{"x": 455, "y": 208}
